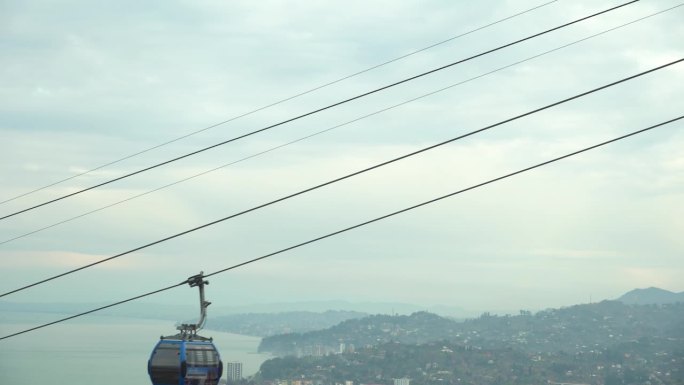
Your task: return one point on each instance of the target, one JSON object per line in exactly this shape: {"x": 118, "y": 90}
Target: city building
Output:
{"x": 234, "y": 371}
{"x": 401, "y": 381}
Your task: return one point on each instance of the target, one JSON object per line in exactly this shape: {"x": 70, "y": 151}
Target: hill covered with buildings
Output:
{"x": 570, "y": 329}
{"x": 608, "y": 343}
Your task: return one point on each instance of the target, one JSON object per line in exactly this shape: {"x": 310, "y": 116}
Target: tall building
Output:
{"x": 233, "y": 371}
{"x": 401, "y": 381}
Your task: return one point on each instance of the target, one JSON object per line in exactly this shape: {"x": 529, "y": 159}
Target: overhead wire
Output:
{"x": 318, "y": 110}
{"x": 425, "y": 203}
{"x": 23, "y": 235}
{"x": 283, "y": 100}
{"x": 98, "y": 309}
{"x": 424, "y": 149}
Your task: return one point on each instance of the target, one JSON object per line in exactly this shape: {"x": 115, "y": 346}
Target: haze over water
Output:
{"x": 101, "y": 350}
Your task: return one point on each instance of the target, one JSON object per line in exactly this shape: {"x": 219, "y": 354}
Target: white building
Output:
{"x": 234, "y": 371}
{"x": 401, "y": 381}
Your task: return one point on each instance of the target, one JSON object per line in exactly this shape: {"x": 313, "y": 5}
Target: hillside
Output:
{"x": 572, "y": 329}
{"x": 376, "y": 329}
{"x": 607, "y": 343}
{"x": 651, "y": 295}
{"x": 650, "y": 361}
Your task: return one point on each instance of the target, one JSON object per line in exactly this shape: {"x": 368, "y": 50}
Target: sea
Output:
{"x": 99, "y": 350}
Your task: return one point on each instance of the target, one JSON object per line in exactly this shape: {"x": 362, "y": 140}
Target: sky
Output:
{"x": 83, "y": 84}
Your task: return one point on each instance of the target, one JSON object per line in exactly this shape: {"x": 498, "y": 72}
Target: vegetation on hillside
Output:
{"x": 605, "y": 343}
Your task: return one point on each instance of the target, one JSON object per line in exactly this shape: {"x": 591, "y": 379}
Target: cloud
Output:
{"x": 84, "y": 85}
{"x": 579, "y": 254}
{"x": 61, "y": 259}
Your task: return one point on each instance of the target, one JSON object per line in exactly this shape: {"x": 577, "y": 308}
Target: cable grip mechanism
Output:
{"x": 189, "y": 330}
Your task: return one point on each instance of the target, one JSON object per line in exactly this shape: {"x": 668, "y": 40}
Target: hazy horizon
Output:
{"x": 152, "y": 310}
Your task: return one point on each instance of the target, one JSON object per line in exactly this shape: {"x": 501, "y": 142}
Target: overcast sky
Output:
{"x": 86, "y": 83}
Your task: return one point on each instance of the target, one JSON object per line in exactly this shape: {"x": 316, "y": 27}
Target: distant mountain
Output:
{"x": 268, "y": 324}
{"x": 650, "y": 296}
{"x": 362, "y": 307}
{"x": 186, "y": 311}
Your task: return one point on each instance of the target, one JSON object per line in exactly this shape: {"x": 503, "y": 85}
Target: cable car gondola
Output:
{"x": 187, "y": 358}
